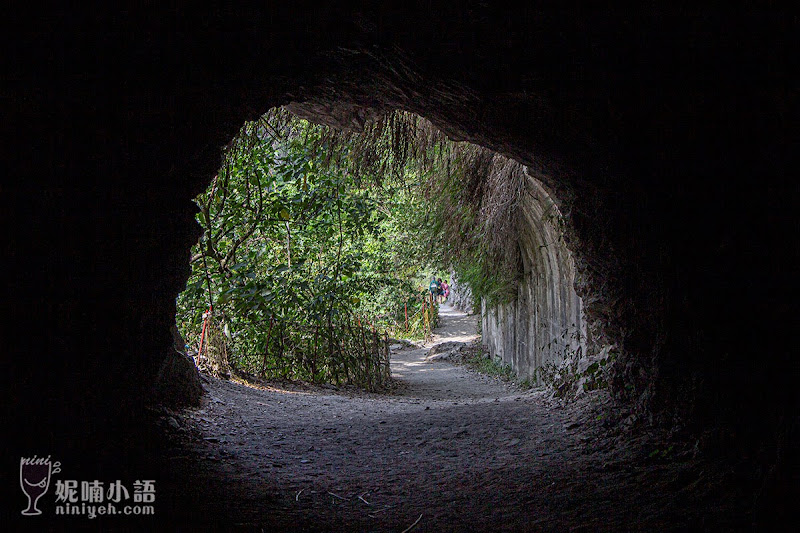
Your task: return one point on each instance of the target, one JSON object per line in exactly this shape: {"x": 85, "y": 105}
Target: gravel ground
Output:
{"x": 446, "y": 450}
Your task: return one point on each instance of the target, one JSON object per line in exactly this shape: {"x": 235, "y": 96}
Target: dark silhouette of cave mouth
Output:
{"x": 653, "y": 129}
{"x": 333, "y": 461}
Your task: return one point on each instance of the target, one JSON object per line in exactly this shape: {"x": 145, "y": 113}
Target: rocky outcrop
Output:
{"x": 461, "y": 295}
{"x": 444, "y": 351}
{"x": 178, "y": 382}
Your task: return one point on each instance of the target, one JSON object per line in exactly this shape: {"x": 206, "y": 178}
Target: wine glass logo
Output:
{"x": 34, "y": 478}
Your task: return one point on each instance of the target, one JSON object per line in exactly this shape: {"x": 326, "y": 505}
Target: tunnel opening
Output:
{"x": 305, "y": 454}
{"x": 547, "y": 344}
{"x": 452, "y": 206}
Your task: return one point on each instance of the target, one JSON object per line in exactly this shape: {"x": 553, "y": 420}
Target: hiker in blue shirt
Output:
{"x": 435, "y": 288}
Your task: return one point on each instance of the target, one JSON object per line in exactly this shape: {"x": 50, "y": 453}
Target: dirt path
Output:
{"x": 460, "y": 450}
{"x": 422, "y": 379}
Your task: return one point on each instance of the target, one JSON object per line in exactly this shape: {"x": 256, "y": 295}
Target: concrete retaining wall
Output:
{"x": 544, "y": 323}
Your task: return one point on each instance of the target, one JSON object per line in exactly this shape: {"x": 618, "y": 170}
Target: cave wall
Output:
{"x": 664, "y": 133}
{"x": 544, "y": 322}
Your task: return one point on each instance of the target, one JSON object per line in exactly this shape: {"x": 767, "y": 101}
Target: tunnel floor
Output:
{"x": 447, "y": 450}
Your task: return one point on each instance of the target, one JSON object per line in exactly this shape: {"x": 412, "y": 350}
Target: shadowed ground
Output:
{"x": 460, "y": 450}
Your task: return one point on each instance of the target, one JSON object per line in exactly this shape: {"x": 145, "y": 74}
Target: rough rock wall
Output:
{"x": 460, "y": 295}
{"x": 544, "y": 323}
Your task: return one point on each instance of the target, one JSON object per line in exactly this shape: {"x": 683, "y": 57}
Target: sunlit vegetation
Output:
{"x": 318, "y": 244}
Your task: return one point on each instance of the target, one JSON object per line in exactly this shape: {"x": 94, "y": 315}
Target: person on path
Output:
{"x": 435, "y": 287}
{"x": 445, "y": 289}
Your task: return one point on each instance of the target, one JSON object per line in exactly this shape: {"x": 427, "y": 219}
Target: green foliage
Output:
{"x": 300, "y": 259}
{"x": 466, "y": 197}
{"x": 317, "y": 242}
{"x": 561, "y": 378}
{"x": 565, "y": 378}
{"x": 471, "y": 218}
{"x": 661, "y": 454}
{"x": 486, "y": 365}
{"x": 596, "y": 374}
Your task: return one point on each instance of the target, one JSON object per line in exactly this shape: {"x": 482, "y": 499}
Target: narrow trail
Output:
{"x": 426, "y": 380}
{"x": 462, "y": 450}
